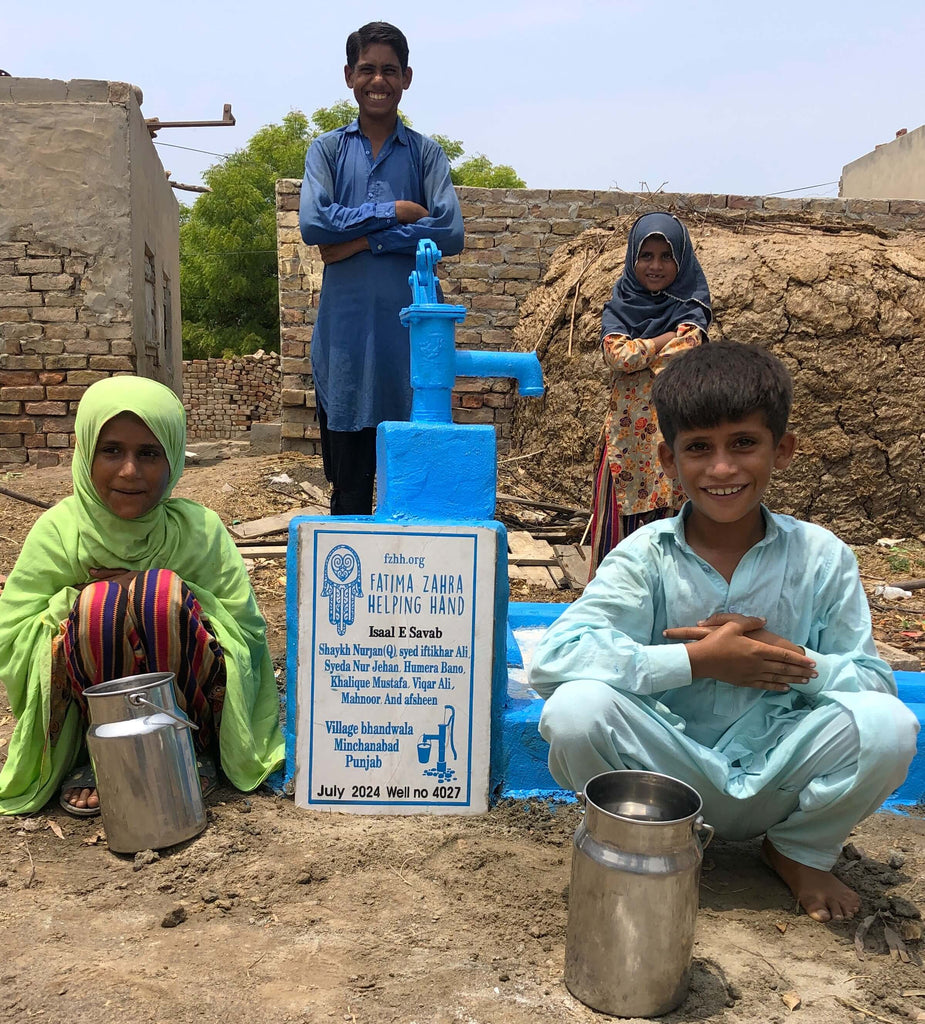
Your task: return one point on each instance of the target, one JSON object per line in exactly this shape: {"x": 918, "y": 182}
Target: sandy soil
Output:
{"x": 284, "y": 915}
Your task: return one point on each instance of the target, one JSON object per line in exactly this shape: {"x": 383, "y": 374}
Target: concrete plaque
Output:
{"x": 394, "y": 670}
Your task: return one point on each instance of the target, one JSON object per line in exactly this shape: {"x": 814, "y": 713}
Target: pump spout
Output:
{"x": 524, "y": 367}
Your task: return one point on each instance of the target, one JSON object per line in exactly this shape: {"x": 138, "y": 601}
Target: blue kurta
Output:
{"x": 805, "y": 765}
{"x": 359, "y": 349}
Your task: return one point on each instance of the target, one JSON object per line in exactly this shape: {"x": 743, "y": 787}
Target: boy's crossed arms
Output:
{"x": 406, "y": 212}
{"x": 737, "y": 649}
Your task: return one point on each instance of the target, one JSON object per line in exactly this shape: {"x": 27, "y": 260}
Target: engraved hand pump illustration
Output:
{"x": 425, "y": 747}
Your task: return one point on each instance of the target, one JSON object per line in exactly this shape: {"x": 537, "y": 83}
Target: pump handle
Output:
{"x": 423, "y": 278}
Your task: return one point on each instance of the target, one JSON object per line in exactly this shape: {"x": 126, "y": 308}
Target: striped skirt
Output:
{"x": 151, "y": 624}
{"x": 608, "y": 526}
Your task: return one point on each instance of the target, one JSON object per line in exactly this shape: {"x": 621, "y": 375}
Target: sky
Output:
{"x": 742, "y": 97}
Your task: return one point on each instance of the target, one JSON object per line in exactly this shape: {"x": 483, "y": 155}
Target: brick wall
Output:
{"x": 223, "y": 397}
{"x": 54, "y": 342}
{"x": 510, "y": 236}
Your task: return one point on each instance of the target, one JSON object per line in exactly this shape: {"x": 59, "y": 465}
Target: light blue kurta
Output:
{"x": 805, "y": 765}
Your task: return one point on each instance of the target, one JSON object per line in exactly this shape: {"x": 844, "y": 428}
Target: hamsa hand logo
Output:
{"x": 341, "y": 585}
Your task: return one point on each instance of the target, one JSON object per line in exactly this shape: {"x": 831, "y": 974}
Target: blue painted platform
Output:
{"x": 524, "y": 752}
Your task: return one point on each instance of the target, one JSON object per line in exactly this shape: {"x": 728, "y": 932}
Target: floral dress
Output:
{"x": 631, "y": 488}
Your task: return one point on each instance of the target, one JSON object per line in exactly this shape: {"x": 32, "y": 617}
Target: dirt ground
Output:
{"x": 283, "y": 915}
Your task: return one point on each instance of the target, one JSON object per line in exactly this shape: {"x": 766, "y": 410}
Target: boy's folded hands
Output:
{"x": 337, "y": 251}
{"x": 737, "y": 649}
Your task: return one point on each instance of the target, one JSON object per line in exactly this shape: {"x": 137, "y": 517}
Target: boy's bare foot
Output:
{"x": 818, "y": 892}
{"x": 82, "y": 798}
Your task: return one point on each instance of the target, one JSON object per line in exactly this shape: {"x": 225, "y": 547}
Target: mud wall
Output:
{"x": 844, "y": 307}
{"x": 89, "y": 256}
{"x": 833, "y": 285}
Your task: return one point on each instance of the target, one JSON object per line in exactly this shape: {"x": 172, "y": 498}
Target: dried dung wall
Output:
{"x": 843, "y": 305}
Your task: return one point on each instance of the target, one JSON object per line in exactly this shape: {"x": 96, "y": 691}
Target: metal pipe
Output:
{"x": 524, "y": 367}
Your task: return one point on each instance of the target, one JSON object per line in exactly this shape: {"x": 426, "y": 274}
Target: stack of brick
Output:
{"x": 55, "y": 340}
{"x": 300, "y": 270}
{"x": 511, "y": 235}
{"x": 223, "y": 397}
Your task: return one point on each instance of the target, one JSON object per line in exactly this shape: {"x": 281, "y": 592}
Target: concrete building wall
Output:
{"x": 83, "y": 194}
{"x": 895, "y": 170}
{"x": 155, "y": 232}
{"x": 511, "y": 236}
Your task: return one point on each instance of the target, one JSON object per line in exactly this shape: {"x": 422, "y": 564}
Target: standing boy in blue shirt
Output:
{"x": 371, "y": 191}
{"x": 775, "y": 707}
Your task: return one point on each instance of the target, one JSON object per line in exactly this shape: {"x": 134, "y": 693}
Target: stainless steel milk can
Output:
{"x": 142, "y": 752}
{"x": 634, "y": 893}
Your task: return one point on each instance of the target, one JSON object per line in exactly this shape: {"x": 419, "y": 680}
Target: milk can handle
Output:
{"x": 702, "y": 828}
{"x": 137, "y": 700}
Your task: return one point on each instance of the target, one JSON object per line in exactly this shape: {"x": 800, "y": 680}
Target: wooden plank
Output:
{"x": 575, "y": 562}
{"x": 262, "y": 550}
{"x": 522, "y": 546}
{"x": 551, "y": 506}
{"x": 315, "y": 492}
{"x": 558, "y": 577}
{"x": 273, "y": 524}
{"x": 910, "y": 585}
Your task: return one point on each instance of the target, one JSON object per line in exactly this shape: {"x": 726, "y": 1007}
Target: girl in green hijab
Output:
{"x": 120, "y": 578}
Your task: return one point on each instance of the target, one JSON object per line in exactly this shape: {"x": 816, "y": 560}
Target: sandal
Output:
{"x": 208, "y": 774}
{"x": 80, "y": 778}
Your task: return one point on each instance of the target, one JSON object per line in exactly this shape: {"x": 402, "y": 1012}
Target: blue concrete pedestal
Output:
{"x": 911, "y": 686}
{"x": 524, "y": 753}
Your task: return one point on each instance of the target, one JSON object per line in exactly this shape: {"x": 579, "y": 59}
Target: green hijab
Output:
{"x": 79, "y": 534}
{"x": 104, "y": 536}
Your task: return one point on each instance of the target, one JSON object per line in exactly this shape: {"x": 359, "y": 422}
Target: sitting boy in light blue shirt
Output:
{"x": 731, "y": 647}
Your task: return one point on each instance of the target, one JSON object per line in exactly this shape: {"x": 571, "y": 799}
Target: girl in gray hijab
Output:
{"x": 660, "y": 307}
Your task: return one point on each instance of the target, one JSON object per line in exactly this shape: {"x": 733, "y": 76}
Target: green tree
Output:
{"x": 228, "y": 270}
{"x": 481, "y": 172}
{"x": 478, "y": 170}
{"x": 228, "y": 275}
{"x": 326, "y": 119}
{"x": 452, "y": 147}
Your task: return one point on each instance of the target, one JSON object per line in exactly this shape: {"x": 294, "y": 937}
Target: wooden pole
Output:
{"x": 25, "y": 498}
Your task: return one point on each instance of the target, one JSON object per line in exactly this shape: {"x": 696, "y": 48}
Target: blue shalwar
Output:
{"x": 359, "y": 349}
{"x": 803, "y": 766}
